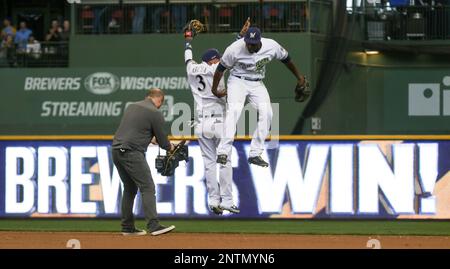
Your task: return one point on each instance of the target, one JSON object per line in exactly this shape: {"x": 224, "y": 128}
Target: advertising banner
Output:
{"x": 305, "y": 179}
{"x": 84, "y": 100}
{"x": 416, "y": 100}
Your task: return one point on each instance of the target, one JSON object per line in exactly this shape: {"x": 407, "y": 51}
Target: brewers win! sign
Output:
{"x": 346, "y": 179}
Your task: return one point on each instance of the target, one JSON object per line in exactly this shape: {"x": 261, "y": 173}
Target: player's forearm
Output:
{"x": 158, "y": 131}
{"x": 188, "y": 52}
{"x": 217, "y": 77}
{"x": 290, "y": 65}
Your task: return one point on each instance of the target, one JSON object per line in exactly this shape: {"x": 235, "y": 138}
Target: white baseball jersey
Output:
{"x": 209, "y": 129}
{"x": 251, "y": 65}
{"x": 200, "y": 79}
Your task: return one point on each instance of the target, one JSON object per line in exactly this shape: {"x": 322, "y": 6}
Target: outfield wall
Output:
{"x": 389, "y": 93}
{"x": 329, "y": 177}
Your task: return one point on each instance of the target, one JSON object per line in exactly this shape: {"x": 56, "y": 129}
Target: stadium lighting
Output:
{"x": 371, "y": 52}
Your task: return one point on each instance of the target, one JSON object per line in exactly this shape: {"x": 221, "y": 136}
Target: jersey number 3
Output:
{"x": 201, "y": 82}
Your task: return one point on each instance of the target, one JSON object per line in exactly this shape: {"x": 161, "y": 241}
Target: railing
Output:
{"x": 407, "y": 23}
{"x": 276, "y": 16}
{"x": 43, "y": 54}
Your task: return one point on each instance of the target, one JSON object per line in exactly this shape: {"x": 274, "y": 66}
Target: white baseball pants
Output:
{"x": 256, "y": 92}
{"x": 209, "y": 131}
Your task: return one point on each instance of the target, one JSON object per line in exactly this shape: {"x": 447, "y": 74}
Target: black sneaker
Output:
{"x": 222, "y": 159}
{"x": 258, "y": 161}
{"x": 133, "y": 232}
{"x": 216, "y": 209}
{"x": 233, "y": 209}
{"x": 161, "y": 230}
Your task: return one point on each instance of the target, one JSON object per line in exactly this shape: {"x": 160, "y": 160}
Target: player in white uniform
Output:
{"x": 210, "y": 112}
{"x": 246, "y": 59}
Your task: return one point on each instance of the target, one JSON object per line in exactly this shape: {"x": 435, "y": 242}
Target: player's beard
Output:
{"x": 253, "y": 48}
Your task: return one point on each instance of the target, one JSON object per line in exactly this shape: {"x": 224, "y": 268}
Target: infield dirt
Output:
{"x": 104, "y": 240}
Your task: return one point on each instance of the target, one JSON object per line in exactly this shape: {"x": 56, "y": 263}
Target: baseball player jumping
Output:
{"x": 210, "y": 112}
{"x": 246, "y": 59}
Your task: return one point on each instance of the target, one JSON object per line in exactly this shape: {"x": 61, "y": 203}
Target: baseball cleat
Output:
{"x": 258, "y": 161}
{"x": 233, "y": 209}
{"x": 222, "y": 159}
{"x": 133, "y": 232}
{"x": 161, "y": 230}
{"x": 216, "y": 210}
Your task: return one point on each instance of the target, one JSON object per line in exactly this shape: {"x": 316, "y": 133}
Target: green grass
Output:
{"x": 328, "y": 227}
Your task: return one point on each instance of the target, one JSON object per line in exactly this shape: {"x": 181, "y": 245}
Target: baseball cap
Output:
{"x": 253, "y": 35}
{"x": 211, "y": 54}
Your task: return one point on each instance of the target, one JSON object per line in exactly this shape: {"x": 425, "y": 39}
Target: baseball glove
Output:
{"x": 302, "y": 92}
{"x": 192, "y": 28}
{"x": 166, "y": 165}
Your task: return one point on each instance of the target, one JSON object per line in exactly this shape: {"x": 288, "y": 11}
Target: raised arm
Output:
{"x": 187, "y": 49}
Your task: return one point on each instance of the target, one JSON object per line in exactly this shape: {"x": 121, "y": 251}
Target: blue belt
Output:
{"x": 249, "y": 79}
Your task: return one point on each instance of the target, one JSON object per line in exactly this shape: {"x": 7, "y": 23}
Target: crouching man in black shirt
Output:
{"x": 141, "y": 122}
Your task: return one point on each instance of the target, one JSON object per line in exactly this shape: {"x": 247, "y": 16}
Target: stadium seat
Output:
{"x": 87, "y": 18}
{"x": 206, "y": 15}
{"x": 297, "y": 17}
{"x": 224, "y": 18}
{"x": 116, "y": 21}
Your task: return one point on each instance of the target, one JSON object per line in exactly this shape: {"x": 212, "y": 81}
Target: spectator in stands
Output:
{"x": 65, "y": 36}
{"x": 65, "y": 32}
{"x": 138, "y": 19}
{"x": 33, "y": 47}
{"x": 156, "y": 19}
{"x": 8, "y": 29}
{"x": 54, "y": 34}
{"x": 177, "y": 14}
{"x": 99, "y": 23}
{"x": 21, "y": 38}
{"x": 9, "y": 48}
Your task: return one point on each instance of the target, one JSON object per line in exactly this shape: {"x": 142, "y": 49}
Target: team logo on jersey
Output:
{"x": 245, "y": 66}
{"x": 261, "y": 63}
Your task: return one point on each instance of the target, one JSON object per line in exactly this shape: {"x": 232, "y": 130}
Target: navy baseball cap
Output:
{"x": 253, "y": 35}
{"x": 211, "y": 54}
